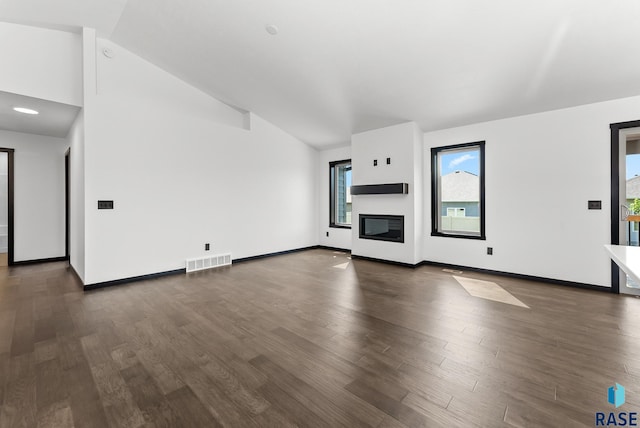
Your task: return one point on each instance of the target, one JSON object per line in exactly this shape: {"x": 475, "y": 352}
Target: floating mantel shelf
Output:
{"x": 381, "y": 189}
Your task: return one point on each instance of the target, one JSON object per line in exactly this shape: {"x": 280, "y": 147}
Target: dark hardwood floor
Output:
{"x": 295, "y": 341}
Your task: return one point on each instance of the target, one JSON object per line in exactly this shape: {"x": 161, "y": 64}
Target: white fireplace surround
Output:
{"x": 402, "y": 144}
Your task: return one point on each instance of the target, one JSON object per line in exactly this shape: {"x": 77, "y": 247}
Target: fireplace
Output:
{"x": 382, "y": 227}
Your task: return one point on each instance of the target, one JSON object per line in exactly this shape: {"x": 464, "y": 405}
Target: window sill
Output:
{"x": 459, "y": 235}
{"x": 340, "y": 226}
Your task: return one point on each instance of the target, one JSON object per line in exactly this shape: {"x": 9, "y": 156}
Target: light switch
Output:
{"x": 105, "y": 205}
{"x": 594, "y": 205}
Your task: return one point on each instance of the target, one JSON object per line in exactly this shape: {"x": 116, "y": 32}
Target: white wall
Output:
{"x": 41, "y": 63}
{"x": 338, "y": 237}
{"x": 174, "y": 159}
{"x": 541, "y": 170}
{"x": 76, "y": 195}
{"x": 39, "y": 195}
{"x": 402, "y": 143}
{"x": 181, "y": 176}
{"x": 418, "y": 195}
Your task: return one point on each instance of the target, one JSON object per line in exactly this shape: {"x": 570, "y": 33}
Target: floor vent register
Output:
{"x": 208, "y": 262}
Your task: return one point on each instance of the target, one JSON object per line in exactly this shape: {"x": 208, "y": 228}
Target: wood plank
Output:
{"x": 390, "y": 422}
{"x": 169, "y": 343}
{"x": 22, "y": 341}
{"x": 167, "y": 380}
{"x": 319, "y": 375}
{"x": 50, "y": 387}
{"x": 124, "y": 356}
{"x": 394, "y": 408}
{"x": 70, "y": 352}
{"x": 306, "y": 395}
{"x": 300, "y": 414}
{"x": 84, "y": 399}
{"x": 45, "y": 351}
{"x": 273, "y": 417}
{"x": 114, "y": 394}
{"x": 44, "y": 329}
{"x": 520, "y": 414}
{"x": 225, "y": 352}
{"x": 56, "y": 415}
{"x": 4, "y": 376}
{"x": 19, "y": 407}
{"x": 7, "y": 318}
{"x": 437, "y": 416}
{"x": 189, "y": 411}
{"x": 154, "y": 406}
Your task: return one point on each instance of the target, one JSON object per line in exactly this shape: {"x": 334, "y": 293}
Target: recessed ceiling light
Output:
{"x": 271, "y": 29}
{"x": 25, "y": 110}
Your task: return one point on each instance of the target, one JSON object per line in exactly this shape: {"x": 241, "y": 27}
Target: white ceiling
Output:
{"x": 338, "y": 67}
{"x": 103, "y": 15}
{"x": 54, "y": 119}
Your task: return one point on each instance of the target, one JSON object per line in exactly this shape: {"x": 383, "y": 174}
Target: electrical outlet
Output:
{"x": 388, "y": 161}
{"x": 327, "y": 233}
{"x": 490, "y": 251}
{"x": 207, "y": 247}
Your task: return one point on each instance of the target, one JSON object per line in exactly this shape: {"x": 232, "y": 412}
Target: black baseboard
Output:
{"x": 38, "y": 261}
{"x": 491, "y": 272}
{"x": 133, "y": 279}
{"x": 354, "y": 257}
{"x": 183, "y": 271}
{"x": 323, "y": 247}
{"x": 389, "y": 262}
{"x": 520, "y": 276}
{"x": 279, "y": 253}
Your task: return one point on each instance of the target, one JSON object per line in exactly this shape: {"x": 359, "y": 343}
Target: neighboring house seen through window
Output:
{"x": 457, "y": 185}
{"x": 455, "y": 212}
{"x": 340, "y": 193}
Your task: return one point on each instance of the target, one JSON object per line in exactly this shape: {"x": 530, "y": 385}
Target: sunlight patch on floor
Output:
{"x": 342, "y": 265}
{"x": 488, "y": 290}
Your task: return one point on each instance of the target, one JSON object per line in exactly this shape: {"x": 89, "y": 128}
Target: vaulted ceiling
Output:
{"x": 337, "y": 67}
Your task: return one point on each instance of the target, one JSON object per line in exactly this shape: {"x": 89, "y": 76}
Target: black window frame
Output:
{"x": 435, "y": 193}
{"x": 332, "y": 198}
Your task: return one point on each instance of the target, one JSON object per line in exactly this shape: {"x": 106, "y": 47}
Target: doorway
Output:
{"x": 67, "y": 204}
{"x": 625, "y": 197}
{"x": 6, "y": 207}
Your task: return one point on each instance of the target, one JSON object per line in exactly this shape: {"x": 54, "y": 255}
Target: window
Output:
{"x": 457, "y": 191}
{"x": 340, "y": 193}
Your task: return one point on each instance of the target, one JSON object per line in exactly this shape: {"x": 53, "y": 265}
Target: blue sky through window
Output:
{"x": 633, "y": 166}
{"x": 467, "y": 160}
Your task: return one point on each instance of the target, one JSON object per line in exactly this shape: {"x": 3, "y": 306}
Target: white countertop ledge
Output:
{"x": 627, "y": 258}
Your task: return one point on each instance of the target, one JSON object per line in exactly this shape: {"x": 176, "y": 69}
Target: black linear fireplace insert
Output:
{"x": 382, "y": 227}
